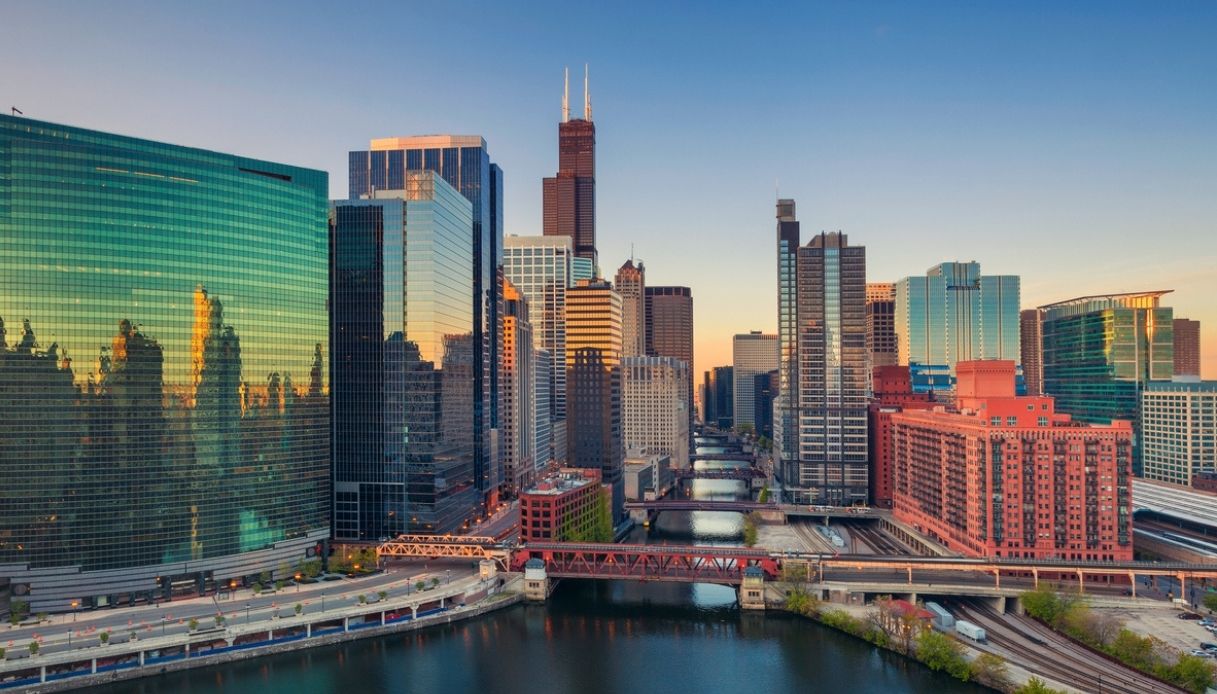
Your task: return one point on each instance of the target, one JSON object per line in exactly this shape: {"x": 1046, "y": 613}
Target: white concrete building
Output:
{"x": 1178, "y": 430}
{"x": 752, "y": 354}
{"x": 655, "y": 410}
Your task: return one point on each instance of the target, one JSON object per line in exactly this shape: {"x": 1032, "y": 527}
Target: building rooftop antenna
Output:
{"x": 566, "y": 95}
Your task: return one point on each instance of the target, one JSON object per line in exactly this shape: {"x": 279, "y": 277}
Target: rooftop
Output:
{"x": 1174, "y": 500}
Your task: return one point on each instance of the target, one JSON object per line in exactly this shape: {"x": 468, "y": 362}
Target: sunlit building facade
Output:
{"x": 655, "y": 412}
{"x": 630, "y": 283}
{"x": 751, "y": 354}
{"x": 403, "y": 386}
{"x": 785, "y": 417}
{"x": 1179, "y": 431}
{"x": 518, "y": 383}
{"x": 164, "y": 397}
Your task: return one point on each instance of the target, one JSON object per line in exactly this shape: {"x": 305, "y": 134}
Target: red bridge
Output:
{"x": 738, "y": 456}
{"x": 646, "y": 562}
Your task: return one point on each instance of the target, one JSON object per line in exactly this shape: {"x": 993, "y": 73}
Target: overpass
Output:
{"x": 678, "y": 563}
{"x": 735, "y": 457}
{"x": 779, "y": 511}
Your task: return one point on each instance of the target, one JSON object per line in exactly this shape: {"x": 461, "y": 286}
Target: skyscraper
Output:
{"x": 785, "y": 419}
{"x": 542, "y": 417}
{"x": 751, "y": 354}
{"x": 569, "y": 198}
{"x": 403, "y": 387}
{"x": 1030, "y": 351}
{"x": 463, "y": 161}
{"x": 719, "y": 404}
{"x": 1187, "y": 347}
{"x": 164, "y": 407}
{"x": 833, "y": 375}
{"x": 518, "y": 383}
{"x": 593, "y": 383}
{"x": 881, "y": 323}
{"x": 655, "y": 417}
{"x": 953, "y": 313}
{"x": 631, "y": 285}
{"x": 540, "y": 268}
{"x": 669, "y": 328}
{"x": 1100, "y": 351}
{"x": 764, "y": 390}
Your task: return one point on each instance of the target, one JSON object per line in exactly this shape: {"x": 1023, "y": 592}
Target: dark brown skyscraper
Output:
{"x": 669, "y": 328}
{"x": 569, "y": 199}
{"x": 1187, "y": 347}
{"x": 1031, "y": 334}
{"x": 881, "y": 323}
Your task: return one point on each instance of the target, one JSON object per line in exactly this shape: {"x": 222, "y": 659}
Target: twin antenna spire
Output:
{"x": 587, "y": 96}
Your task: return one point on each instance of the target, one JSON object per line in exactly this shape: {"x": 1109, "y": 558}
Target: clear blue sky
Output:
{"x": 1072, "y": 143}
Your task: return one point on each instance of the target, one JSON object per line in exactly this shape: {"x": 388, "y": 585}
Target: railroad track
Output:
{"x": 877, "y": 541}
{"x": 1042, "y": 651}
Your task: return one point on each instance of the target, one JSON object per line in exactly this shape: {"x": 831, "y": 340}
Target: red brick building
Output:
{"x": 564, "y": 502}
{"x": 1006, "y": 476}
{"x": 892, "y": 390}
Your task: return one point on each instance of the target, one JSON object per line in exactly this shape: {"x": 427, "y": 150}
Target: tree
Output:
{"x": 801, "y": 602}
{"x": 264, "y": 578}
{"x": 1133, "y": 650}
{"x": 1192, "y": 673}
{"x": 750, "y": 530}
{"x": 105, "y": 637}
{"x": 34, "y": 647}
{"x": 602, "y": 523}
{"x": 257, "y": 588}
{"x": 990, "y": 670}
{"x": 382, "y": 594}
{"x": 420, "y": 586}
{"x": 434, "y": 581}
{"x": 1210, "y": 601}
{"x": 193, "y": 624}
{"x": 941, "y": 652}
{"x": 18, "y": 609}
{"x": 1036, "y": 686}
{"x": 1, "y": 653}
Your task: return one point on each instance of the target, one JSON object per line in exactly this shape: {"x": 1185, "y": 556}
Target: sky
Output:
{"x": 1074, "y": 144}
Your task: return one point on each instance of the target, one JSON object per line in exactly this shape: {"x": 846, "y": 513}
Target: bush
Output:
{"x": 219, "y": 620}
{"x": 1210, "y": 601}
{"x": 990, "y": 670}
{"x": 434, "y": 581}
{"x": 941, "y": 652}
{"x": 1, "y": 654}
{"x": 34, "y": 647}
{"x": 750, "y": 530}
{"x": 382, "y": 594}
{"x": 363, "y": 599}
{"x": 192, "y": 624}
{"x": 299, "y": 609}
{"x": 801, "y": 602}
{"x": 420, "y": 586}
{"x": 278, "y": 585}
{"x": 1036, "y": 686}
{"x": 1191, "y": 673}
{"x": 105, "y": 637}
{"x": 257, "y": 588}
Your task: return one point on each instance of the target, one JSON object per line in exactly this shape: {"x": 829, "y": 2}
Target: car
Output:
{"x": 1188, "y": 615}
{"x": 1201, "y": 653}
{"x": 1208, "y": 646}
{"x": 1206, "y": 622}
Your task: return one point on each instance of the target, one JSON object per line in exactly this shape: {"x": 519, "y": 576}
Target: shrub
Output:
{"x": 34, "y": 647}
{"x": 990, "y": 670}
{"x": 105, "y": 637}
{"x": 1210, "y": 601}
{"x": 257, "y": 588}
{"x": 382, "y": 594}
{"x": 420, "y": 586}
{"x": 219, "y": 620}
{"x": 363, "y": 599}
{"x": 801, "y": 602}
{"x": 1191, "y": 673}
{"x": 1036, "y": 686}
{"x": 941, "y": 652}
{"x": 278, "y": 585}
{"x": 299, "y": 609}
{"x": 434, "y": 581}
{"x": 1, "y": 653}
{"x": 193, "y": 624}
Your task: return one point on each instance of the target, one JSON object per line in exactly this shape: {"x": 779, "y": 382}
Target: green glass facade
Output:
{"x": 163, "y": 396}
{"x": 1100, "y": 352}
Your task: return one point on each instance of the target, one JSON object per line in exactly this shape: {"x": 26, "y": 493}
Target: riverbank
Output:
{"x": 157, "y": 656}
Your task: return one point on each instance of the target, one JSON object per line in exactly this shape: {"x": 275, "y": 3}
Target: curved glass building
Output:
{"x": 163, "y": 398}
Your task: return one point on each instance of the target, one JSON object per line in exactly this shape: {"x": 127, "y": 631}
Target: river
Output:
{"x": 593, "y": 637}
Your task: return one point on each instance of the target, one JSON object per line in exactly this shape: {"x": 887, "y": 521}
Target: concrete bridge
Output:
{"x": 737, "y": 473}
{"x": 749, "y": 457}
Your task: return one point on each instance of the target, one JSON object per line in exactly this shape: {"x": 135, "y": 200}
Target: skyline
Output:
{"x": 954, "y": 133}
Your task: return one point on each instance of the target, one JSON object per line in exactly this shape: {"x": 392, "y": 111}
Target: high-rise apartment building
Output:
{"x": 1178, "y": 430}
{"x": 630, "y": 283}
{"x": 1062, "y": 489}
{"x": 833, "y": 376}
{"x": 402, "y": 335}
{"x": 569, "y": 198}
{"x": 1031, "y": 339}
{"x": 593, "y": 383}
{"x": 751, "y": 354}
{"x": 1099, "y": 352}
{"x": 785, "y": 430}
{"x": 953, "y": 314}
{"x": 518, "y": 384}
{"x": 164, "y": 390}
{"x": 540, "y": 268}
{"x": 463, "y": 161}
{"x": 881, "y": 323}
{"x": 669, "y": 328}
{"x": 655, "y": 413}
{"x": 1187, "y": 347}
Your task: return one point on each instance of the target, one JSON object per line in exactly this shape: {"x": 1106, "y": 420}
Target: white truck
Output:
{"x": 970, "y": 630}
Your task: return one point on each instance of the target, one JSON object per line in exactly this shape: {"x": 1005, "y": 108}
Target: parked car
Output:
{"x": 1200, "y": 653}
{"x": 1189, "y": 615}
{"x": 1208, "y": 646}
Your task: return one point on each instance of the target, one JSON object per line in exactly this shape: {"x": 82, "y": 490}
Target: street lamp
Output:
{"x": 298, "y": 577}
{"x": 449, "y": 573}
{"x": 75, "y": 604}
{"x": 246, "y": 614}
{"x": 323, "y": 601}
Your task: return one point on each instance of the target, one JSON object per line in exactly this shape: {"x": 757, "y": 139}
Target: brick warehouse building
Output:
{"x": 1006, "y": 476}
{"x": 562, "y": 504}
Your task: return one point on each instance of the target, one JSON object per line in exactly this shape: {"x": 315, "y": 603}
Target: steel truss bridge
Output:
{"x": 646, "y": 562}
{"x": 742, "y": 473}
{"x": 700, "y": 564}
{"x": 735, "y": 457}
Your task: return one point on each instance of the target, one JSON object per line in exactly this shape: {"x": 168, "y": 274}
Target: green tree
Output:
{"x": 420, "y": 586}
{"x": 1036, "y": 686}
{"x": 299, "y": 609}
{"x": 1192, "y": 673}
{"x": 1133, "y": 650}
{"x": 17, "y": 611}
{"x": 193, "y": 624}
{"x": 1047, "y": 605}
{"x": 34, "y": 647}
{"x": 941, "y": 652}
{"x": 434, "y": 581}
{"x": 763, "y": 497}
{"x": 801, "y": 602}
{"x": 1, "y": 653}
{"x": 990, "y": 670}
{"x": 602, "y": 523}
{"x": 1210, "y": 601}
{"x": 750, "y": 530}
{"x": 105, "y": 637}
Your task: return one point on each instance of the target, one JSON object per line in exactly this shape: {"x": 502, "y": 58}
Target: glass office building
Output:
{"x": 403, "y": 386}
{"x": 1099, "y": 352}
{"x": 163, "y": 397}
{"x": 464, "y": 162}
{"x": 953, "y": 314}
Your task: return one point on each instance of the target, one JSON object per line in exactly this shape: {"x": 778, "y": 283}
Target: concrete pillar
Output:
{"x": 1132, "y": 580}
{"x": 141, "y": 658}
{"x": 346, "y": 623}
{"x": 1081, "y": 584}
{"x": 997, "y": 577}
{"x": 414, "y": 611}
{"x": 308, "y": 631}
{"x": 1183, "y": 585}
{"x": 42, "y": 671}
{"x": 910, "y": 570}
{"x": 1000, "y": 604}
{"x": 270, "y": 634}
{"x": 188, "y": 651}
{"x": 93, "y": 666}
{"x": 1036, "y": 574}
